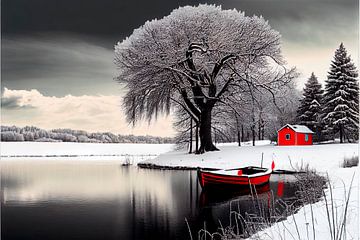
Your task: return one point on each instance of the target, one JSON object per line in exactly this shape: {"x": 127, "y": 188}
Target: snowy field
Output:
{"x": 80, "y": 151}
{"x": 325, "y": 158}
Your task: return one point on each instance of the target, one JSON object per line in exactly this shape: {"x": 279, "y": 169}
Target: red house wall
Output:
{"x": 282, "y": 139}
{"x": 295, "y": 138}
{"x": 300, "y": 139}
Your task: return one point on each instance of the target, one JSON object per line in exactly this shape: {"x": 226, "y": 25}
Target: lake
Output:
{"x": 104, "y": 200}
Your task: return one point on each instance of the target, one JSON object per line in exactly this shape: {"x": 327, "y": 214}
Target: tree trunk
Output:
{"x": 318, "y": 133}
{"x": 242, "y": 133}
{"x": 206, "y": 143}
{"x": 215, "y": 139}
{"x": 253, "y": 124}
{"x": 237, "y": 130}
{"x": 346, "y": 137}
{"x": 341, "y": 134}
{"x": 261, "y": 126}
{"x": 191, "y": 135}
{"x": 253, "y": 134}
{"x": 197, "y": 138}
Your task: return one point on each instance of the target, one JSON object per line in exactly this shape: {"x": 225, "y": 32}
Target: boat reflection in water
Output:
{"x": 262, "y": 204}
{"x": 215, "y": 196}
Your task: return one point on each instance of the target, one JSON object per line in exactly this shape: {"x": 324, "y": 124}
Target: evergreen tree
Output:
{"x": 310, "y": 106}
{"x": 341, "y": 110}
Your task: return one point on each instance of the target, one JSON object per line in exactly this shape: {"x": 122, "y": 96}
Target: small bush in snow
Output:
{"x": 350, "y": 162}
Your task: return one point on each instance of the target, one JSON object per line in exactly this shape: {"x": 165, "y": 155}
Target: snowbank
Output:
{"x": 300, "y": 226}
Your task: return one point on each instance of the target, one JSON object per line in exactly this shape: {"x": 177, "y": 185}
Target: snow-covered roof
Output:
{"x": 298, "y": 128}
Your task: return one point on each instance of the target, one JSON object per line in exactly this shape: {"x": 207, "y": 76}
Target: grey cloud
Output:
{"x": 13, "y": 103}
{"x": 319, "y": 25}
{"x": 45, "y": 53}
{"x": 311, "y": 22}
{"x": 10, "y": 102}
{"x": 116, "y": 18}
{"x": 58, "y": 66}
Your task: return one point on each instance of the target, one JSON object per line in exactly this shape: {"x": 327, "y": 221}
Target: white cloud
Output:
{"x": 91, "y": 113}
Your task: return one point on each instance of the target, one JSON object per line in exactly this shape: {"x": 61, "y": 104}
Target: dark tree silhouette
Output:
{"x": 309, "y": 111}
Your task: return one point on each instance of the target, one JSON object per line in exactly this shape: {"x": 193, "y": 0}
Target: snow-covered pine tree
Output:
{"x": 309, "y": 111}
{"x": 341, "y": 98}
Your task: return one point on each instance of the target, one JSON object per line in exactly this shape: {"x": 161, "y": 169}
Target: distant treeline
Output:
{"x": 34, "y": 134}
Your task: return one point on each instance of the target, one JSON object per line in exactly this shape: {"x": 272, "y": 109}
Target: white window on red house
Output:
{"x": 287, "y": 136}
{"x": 306, "y": 137}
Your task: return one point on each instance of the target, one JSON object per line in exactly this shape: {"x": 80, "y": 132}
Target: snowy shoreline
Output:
{"x": 81, "y": 151}
{"x": 322, "y": 157}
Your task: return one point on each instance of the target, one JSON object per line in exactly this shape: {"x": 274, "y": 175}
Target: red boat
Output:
{"x": 234, "y": 178}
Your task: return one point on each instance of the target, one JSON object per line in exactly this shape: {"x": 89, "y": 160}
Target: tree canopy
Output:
{"x": 198, "y": 58}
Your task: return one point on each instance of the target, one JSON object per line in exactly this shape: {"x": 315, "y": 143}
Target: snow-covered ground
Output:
{"x": 300, "y": 225}
{"x": 325, "y": 158}
{"x": 80, "y": 151}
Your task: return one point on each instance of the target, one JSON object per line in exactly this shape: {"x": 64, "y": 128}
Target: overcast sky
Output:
{"x": 64, "y": 50}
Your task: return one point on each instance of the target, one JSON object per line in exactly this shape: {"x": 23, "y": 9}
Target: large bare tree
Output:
{"x": 197, "y": 58}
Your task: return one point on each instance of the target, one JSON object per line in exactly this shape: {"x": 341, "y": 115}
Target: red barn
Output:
{"x": 295, "y": 135}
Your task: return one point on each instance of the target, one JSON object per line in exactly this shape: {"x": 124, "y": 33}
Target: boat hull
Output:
{"x": 208, "y": 179}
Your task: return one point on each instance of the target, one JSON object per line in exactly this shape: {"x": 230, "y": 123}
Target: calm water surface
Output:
{"x": 101, "y": 200}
